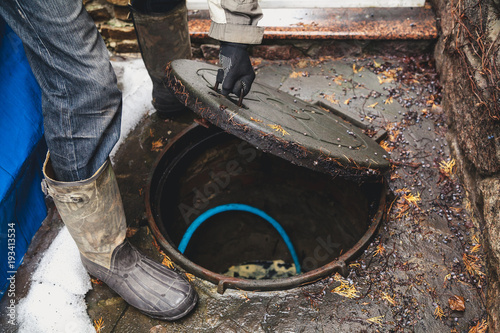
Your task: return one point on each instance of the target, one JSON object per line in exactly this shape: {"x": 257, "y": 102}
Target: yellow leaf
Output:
{"x": 376, "y": 64}
{"x": 480, "y": 327}
{"x": 347, "y": 101}
{"x": 475, "y": 239}
{"x": 373, "y": 105}
{"x": 345, "y": 289}
{"x": 279, "y": 129}
{"x": 302, "y": 63}
{"x": 379, "y": 251}
{"x": 356, "y": 70}
{"x": 294, "y": 74}
{"x": 167, "y": 261}
{"x": 447, "y": 167}
{"x": 412, "y": 199}
{"x": 472, "y": 264}
{"x": 385, "y": 146}
{"x": 338, "y": 80}
{"x": 390, "y": 100}
{"x": 376, "y": 320}
{"x": 438, "y": 312}
{"x": 475, "y": 248}
{"x": 157, "y": 145}
{"x": 98, "y": 325}
{"x": 388, "y": 298}
{"x": 331, "y": 98}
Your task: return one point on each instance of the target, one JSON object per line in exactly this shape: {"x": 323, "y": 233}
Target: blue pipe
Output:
{"x": 239, "y": 207}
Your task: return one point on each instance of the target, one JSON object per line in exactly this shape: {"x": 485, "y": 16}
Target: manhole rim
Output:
{"x": 223, "y": 282}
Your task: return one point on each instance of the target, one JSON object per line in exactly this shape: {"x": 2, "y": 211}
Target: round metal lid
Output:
{"x": 279, "y": 123}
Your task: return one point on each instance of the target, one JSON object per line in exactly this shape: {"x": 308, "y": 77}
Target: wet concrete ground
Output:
{"x": 421, "y": 273}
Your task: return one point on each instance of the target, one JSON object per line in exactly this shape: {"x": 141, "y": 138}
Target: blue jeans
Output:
{"x": 80, "y": 98}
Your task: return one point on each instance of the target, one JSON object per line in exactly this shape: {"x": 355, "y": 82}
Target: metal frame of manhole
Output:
{"x": 223, "y": 282}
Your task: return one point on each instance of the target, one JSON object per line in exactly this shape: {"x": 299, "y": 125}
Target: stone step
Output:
{"x": 401, "y": 23}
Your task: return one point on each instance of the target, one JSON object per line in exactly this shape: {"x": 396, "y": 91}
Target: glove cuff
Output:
{"x": 237, "y": 45}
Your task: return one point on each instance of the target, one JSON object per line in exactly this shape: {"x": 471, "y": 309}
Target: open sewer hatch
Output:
{"x": 278, "y": 194}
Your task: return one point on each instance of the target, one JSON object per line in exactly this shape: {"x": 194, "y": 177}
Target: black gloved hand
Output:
{"x": 237, "y": 72}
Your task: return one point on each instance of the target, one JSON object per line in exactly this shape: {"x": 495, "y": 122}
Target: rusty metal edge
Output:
{"x": 295, "y": 153}
{"x": 223, "y": 282}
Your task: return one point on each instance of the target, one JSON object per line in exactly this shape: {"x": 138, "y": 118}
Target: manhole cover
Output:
{"x": 278, "y": 123}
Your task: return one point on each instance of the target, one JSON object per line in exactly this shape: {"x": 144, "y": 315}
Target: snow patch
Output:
{"x": 56, "y": 299}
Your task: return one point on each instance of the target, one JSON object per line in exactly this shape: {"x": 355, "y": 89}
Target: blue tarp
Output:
{"x": 23, "y": 148}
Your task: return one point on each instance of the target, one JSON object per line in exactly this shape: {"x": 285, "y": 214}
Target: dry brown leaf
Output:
{"x": 131, "y": 231}
{"x": 456, "y": 303}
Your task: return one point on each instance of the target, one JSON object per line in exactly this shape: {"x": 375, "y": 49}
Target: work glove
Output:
{"x": 237, "y": 73}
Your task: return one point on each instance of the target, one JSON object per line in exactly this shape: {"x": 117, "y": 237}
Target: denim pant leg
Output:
{"x": 80, "y": 98}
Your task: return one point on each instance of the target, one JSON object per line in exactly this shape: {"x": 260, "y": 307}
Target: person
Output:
{"x": 234, "y": 24}
{"x": 81, "y": 106}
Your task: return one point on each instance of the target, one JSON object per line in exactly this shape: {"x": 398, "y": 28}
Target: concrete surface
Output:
{"x": 413, "y": 275}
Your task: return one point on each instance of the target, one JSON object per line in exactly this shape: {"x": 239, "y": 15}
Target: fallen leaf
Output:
{"x": 388, "y": 298}
{"x": 438, "y": 312}
{"x": 279, "y": 129}
{"x": 98, "y": 325}
{"x": 131, "y": 231}
{"x": 456, "y": 303}
{"x": 376, "y": 320}
{"x": 356, "y": 70}
{"x": 480, "y": 327}
{"x": 475, "y": 248}
{"x": 302, "y": 64}
{"x": 380, "y": 250}
{"x": 157, "y": 145}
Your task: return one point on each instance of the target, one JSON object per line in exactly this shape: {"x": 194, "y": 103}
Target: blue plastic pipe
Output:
{"x": 245, "y": 208}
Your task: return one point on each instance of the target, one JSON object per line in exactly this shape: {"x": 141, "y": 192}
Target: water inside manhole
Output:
{"x": 325, "y": 218}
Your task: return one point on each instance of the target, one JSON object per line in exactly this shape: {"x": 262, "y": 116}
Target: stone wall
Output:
{"x": 468, "y": 59}
{"x": 113, "y": 21}
{"x": 116, "y": 27}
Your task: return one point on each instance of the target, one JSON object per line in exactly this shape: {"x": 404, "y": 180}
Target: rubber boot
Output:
{"x": 93, "y": 212}
{"x": 163, "y": 36}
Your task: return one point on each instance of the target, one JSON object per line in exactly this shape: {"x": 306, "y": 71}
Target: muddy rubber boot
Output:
{"x": 163, "y": 35}
{"x": 92, "y": 210}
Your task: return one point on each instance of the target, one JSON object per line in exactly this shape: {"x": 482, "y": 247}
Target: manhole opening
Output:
{"x": 202, "y": 169}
